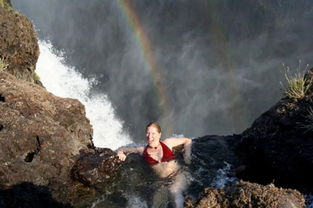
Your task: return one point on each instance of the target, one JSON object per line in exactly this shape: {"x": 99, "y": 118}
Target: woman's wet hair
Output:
{"x": 154, "y": 124}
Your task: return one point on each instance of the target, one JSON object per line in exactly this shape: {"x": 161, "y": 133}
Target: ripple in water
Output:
{"x": 222, "y": 179}
{"x": 309, "y": 201}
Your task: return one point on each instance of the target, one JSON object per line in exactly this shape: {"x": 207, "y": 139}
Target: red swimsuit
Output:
{"x": 168, "y": 155}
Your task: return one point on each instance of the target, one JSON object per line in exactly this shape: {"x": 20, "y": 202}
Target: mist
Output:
{"x": 220, "y": 60}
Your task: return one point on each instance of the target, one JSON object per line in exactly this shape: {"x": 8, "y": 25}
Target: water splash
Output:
{"x": 309, "y": 200}
{"x": 222, "y": 177}
{"x": 64, "y": 81}
{"x": 136, "y": 202}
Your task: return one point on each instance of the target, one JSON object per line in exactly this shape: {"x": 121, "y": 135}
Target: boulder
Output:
{"x": 213, "y": 159}
{"x": 18, "y": 44}
{"x": 278, "y": 147}
{"x": 96, "y": 167}
{"x": 40, "y": 136}
{"x": 245, "y": 194}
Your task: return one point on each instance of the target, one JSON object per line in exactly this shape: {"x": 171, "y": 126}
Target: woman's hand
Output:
{"x": 187, "y": 158}
{"x": 121, "y": 151}
{"x": 121, "y": 155}
{"x": 187, "y": 151}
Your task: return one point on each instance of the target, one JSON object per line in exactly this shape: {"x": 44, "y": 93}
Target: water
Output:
{"x": 222, "y": 179}
{"x": 309, "y": 200}
{"x": 64, "y": 81}
{"x": 220, "y": 61}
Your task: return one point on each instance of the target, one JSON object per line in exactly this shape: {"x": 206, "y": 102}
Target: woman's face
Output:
{"x": 153, "y": 136}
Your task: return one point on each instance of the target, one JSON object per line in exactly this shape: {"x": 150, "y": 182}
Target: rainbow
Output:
{"x": 145, "y": 49}
{"x": 237, "y": 115}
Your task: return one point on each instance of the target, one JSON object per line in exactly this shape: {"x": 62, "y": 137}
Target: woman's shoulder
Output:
{"x": 175, "y": 141}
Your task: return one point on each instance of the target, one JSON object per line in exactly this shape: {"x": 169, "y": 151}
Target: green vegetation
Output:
{"x": 298, "y": 86}
{"x": 3, "y": 65}
{"x": 8, "y": 7}
{"x": 36, "y": 77}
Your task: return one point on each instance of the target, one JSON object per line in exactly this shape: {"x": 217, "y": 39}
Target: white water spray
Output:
{"x": 64, "y": 81}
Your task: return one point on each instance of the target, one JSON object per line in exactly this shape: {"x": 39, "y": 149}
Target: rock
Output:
{"x": 8, "y": 2}
{"x": 279, "y": 146}
{"x": 5, "y": 3}
{"x": 112, "y": 179}
{"x": 96, "y": 167}
{"x": 18, "y": 44}
{"x": 28, "y": 195}
{"x": 245, "y": 194}
{"x": 40, "y": 136}
{"x": 213, "y": 158}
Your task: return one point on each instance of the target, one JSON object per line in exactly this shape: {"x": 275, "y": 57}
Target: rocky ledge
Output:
{"x": 278, "y": 147}
{"x": 245, "y": 194}
{"x": 40, "y": 135}
{"x": 18, "y": 43}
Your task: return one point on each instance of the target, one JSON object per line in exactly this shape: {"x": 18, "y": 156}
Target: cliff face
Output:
{"x": 279, "y": 146}
{"x": 18, "y": 43}
{"x": 40, "y": 134}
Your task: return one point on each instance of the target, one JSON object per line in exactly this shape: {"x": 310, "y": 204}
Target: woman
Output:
{"x": 159, "y": 154}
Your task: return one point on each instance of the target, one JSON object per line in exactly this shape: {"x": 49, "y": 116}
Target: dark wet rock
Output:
{"x": 96, "y": 167}
{"x": 28, "y": 195}
{"x": 40, "y": 136}
{"x": 245, "y": 194}
{"x": 18, "y": 43}
{"x": 278, "y": 147}
{"x": 111, "y": 179}
{"x": 210, "y": 155}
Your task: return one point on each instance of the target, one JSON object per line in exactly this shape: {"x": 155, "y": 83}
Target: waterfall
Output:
{"x": 64, "y": 81}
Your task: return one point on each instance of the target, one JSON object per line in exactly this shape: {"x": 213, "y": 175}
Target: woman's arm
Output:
{"x": 173, "y": 142}
{"x": 121, "y": 152}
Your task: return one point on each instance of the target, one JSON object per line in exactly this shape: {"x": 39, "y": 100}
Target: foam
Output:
{"x": 64, "y": 81}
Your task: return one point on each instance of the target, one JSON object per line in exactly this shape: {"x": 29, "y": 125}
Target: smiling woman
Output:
{"x": 160, "y": 156}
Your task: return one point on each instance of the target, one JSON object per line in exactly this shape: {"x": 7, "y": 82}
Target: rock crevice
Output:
{"x": 30, "y": 156}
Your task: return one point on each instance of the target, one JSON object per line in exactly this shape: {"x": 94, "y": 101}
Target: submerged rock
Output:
{"x": 245, "y": 194}
{"x": 213, "y": 158}
{"x": 96, "y": 167}
{"x": 40, "y": 136}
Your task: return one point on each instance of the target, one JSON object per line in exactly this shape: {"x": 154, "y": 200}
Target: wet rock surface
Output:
{"x": 245, "y": 194}
{"x": 210, "y": 155}
{"x": 96, "y": 167}
{"x": 279, "y": 146}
